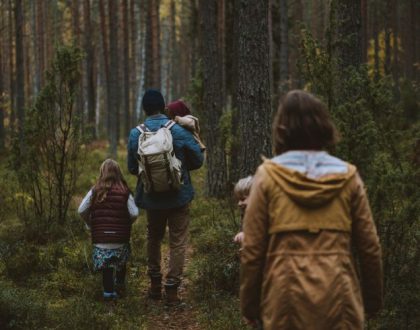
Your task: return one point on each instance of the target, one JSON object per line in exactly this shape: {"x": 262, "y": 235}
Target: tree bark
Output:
{"x": 20, "y": 73}
{"x": 89, "y": 74}
{"x": 113, "y": 96}
{"x": 2, "y": 75}
{"x": 253, "y": 89}
{"x": 126, "y": 81}
{"x": 212, "y": 98}
{"x": 284, "y": 47}
{"x": 153, "y": 60}
{"x": 40, "y": 52}
{"x": 193, "y": 33}
{"x": 221, "y": 45}
{"x": 297, "y": 19}
{"x": 12, "y": 85}
{"x": 395, "y": 45}
{"x": 174, "y": 79}
{"x": 376, "y": 41}
{"x": 365, "y": 38}
{"x": 79, "y": 102}
{"x": 133, "y": 61}
{"x": 387, "y": 63}
{"x": 105, "y": 51}
{"x": 348, "y": 33}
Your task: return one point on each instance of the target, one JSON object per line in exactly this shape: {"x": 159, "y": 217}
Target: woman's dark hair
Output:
{"x": 302, "y": 122}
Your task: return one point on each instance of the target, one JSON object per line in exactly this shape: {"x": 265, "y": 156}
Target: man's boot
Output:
{"x": 155, "y": 290}
{"x": 171, "y": 292}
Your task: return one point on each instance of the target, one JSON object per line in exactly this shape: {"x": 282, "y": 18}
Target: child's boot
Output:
{"x": 110, "y": 296}
{"x": 171, "y": 291}
{"x": 155, "y": 290}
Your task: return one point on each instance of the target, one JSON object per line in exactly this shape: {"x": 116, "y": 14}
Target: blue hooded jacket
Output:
{"x": 187, "y": 150}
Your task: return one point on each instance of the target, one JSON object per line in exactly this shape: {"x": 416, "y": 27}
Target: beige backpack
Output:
{"x": 159, "y": 169}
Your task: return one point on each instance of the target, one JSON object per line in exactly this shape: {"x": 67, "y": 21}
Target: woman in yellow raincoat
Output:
{"x": 307, "y": 213}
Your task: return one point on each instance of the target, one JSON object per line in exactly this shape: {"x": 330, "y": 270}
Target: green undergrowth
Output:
{"x": 50, "y": 283}
{"x": 214, "y": 268}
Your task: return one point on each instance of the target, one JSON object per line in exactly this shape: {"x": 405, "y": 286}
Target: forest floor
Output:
{"x": 49, "y": 284}
{"x": 183, "y": 316}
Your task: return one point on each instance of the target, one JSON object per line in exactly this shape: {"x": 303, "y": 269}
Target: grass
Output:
{"x": 52, "y": 285}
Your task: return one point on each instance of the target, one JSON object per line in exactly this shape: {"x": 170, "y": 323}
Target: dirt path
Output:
{"x": 183, "y": 317}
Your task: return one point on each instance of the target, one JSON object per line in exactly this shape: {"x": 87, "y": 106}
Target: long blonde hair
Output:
{"x": 109, "y": 175}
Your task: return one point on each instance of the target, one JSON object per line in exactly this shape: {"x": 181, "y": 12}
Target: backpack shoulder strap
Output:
{"x": 142, "y": 128}
{"x": 169, "y": 124}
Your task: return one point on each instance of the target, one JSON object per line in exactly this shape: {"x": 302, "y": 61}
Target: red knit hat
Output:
{"x": 178, "y": 108}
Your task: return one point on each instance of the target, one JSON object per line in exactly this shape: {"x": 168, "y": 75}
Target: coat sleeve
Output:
{"x": 194, "y": 157}
{"x": 84, "y": 207}
{"x": 132, "y": 146}
{"x": 255, "y": 227}
{"x": 368, "y": 249}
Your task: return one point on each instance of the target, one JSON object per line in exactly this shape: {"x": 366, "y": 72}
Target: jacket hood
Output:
{"x": 307, "y": 188}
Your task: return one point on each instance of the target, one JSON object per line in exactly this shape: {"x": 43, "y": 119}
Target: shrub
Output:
{"x": 20, "y": 308}
{"x": 46, "y": 155}
{"x": 215, "y": 264}
{"x": 380, "y": 135}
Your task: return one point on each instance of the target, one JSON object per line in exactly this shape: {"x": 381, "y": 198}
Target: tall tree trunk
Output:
{"x": 284, "y": 47}
{"x": 395, "y": 46}
{"x": 142, "y": 58}
{"x": 212, "y": 98}
{"x": 113, "y": 96}
{"x": 221, "y": 45}
{"x": 365, "y": 38}
{"x": 253, "y": 89}
{"x": 79, "y": 102}
{"x": 232, "y": 83}
{"x": 89, "y": 74}
{"x": 193, "y": 33}
{"x": 105, "y": 51}
{"x": 387, "y": 63}
{"x": 27, "y": 61}
{"x": 174, "y": 79}
{"x": 133, "y": 62}
{"x": 20, "y": 73}
{"x": 153, "y": 60}
{"x": 297, "y": 19}
{"x": 2, "y": 75}
{"x": 34, "y": 50}
{"x": 414, "y": 35}
{"x": 376, "y": 40}
{"x": 348, "y": 33}
{"x": 12, "y": 85}
{"x": 40, "y": 52}
{"x": 126, "y": 81}
{"x": 318, "y": 15}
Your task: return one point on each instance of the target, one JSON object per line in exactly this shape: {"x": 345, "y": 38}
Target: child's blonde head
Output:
{"x": 109, "y": 174}
{"x": 243, "y": 187}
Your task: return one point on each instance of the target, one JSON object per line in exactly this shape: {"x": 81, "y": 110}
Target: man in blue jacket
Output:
{"x": 167, "y": 208}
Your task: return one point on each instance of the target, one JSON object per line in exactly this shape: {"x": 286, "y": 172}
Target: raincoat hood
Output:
{"x": 310, "y": 179}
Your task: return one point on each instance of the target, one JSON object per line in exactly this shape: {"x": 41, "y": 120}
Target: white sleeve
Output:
{"x": 132, "y": 208}
{"x": 84, "y": 207}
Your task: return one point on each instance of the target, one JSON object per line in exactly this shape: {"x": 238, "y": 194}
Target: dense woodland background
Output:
{"x": 72, "y": 74}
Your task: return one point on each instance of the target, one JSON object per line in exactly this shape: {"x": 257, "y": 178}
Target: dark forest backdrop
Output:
{"x": 91, "y": 61}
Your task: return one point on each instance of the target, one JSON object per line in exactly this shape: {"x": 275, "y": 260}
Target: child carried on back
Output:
{"x": 109, "y": 211}
{"x": 181, "y": 114}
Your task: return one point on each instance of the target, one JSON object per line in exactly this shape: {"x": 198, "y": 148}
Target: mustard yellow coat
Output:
{"x": 297, "y": 266}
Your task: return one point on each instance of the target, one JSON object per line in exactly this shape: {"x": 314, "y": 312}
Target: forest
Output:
{"x": 72, "y": 77}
